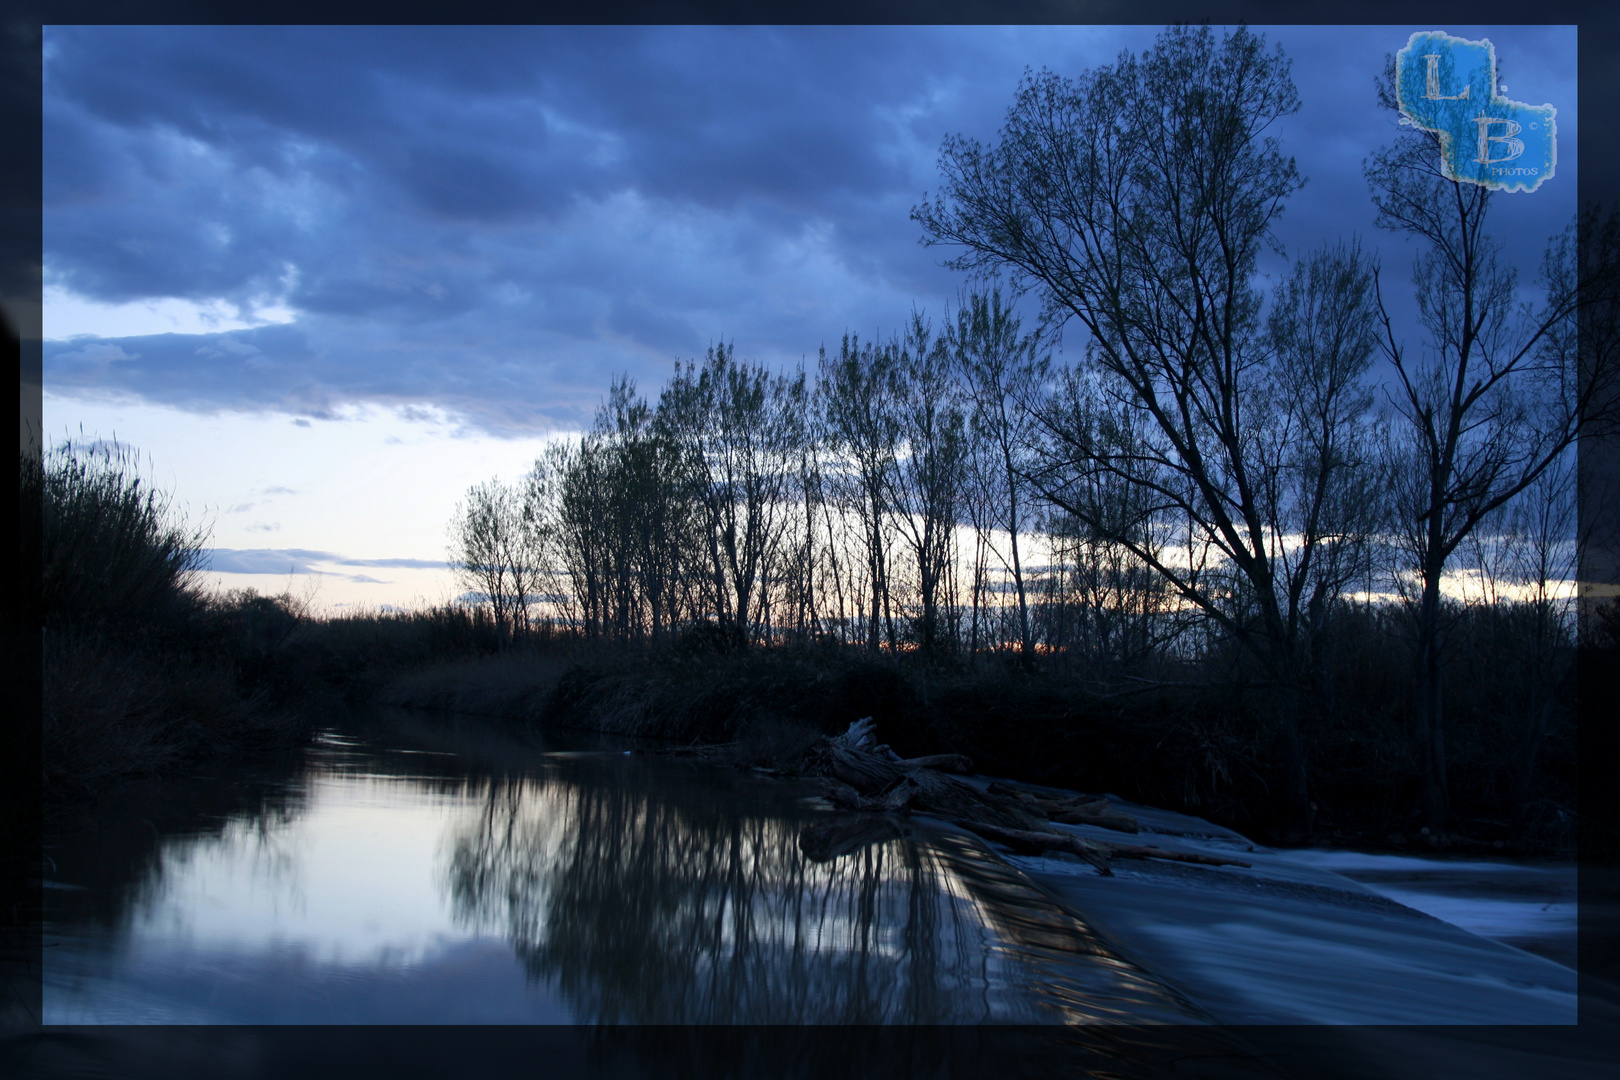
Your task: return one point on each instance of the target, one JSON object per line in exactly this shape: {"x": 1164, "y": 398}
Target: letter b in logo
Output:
{"x": 1515, "y": 148}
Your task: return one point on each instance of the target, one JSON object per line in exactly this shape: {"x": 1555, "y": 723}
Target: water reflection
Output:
{"x": 415, "y": 869}
{"x": 109, "y": 858}
{"x": 651, "y": 900}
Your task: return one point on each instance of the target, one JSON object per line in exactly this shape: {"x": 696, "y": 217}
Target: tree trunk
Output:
{"x": 1431, "y": 711}
{"x": 1026, "y": 646}
{"x": 1297, "y": 812}
{"x": 876, "y": 559}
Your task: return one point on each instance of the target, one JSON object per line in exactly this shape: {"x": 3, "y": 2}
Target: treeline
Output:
{"x": 924, "y": 497}
{"x": 1216, "y": 482}
{"x": 879, "y": 502}
{"x": 924, "y": 494}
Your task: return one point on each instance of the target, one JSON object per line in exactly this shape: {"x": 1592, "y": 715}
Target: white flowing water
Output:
{"x": 1526, "y": 903}
{"x": 1334, "y": 937}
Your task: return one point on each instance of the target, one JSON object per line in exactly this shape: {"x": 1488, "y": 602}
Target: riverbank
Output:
{"x": 242, "y": 669}
{"x": 113, "y": 711}
{"x": 1198, "y": 750}
{"x": 144, "y": 673}
{"x": 140, "y": 669}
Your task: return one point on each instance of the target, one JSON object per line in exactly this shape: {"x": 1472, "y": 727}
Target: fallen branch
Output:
{"x": 841, "y": 794}
{"x": 1080, "y": 816}
{"x": 1033, "y": 843}
{"x": 955, "y": 763}
{"x": 859, "y": 774}
{"x": 1076, "y": 810}
{"x": 1136, "y": 851}
{"x": 863, "y": 771}
{"x": 938, "y": 793}
{"x": 1095, "y": 852}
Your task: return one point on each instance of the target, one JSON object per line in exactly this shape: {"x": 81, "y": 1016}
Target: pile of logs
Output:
{"x": 858, "y": 773}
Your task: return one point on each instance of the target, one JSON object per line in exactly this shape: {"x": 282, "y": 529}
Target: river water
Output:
{"x": 414, "y": 868}
{"x": 422, "y": 869}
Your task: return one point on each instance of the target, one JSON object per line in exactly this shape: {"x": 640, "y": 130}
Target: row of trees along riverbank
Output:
{"x": 1204, "y": 493}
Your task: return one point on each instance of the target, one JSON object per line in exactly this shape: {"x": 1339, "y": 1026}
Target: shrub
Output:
{"x": 140, "y": 670}
{"x": 113, "y": 551}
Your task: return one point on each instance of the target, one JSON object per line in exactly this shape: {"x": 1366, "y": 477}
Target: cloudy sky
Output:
{"x": 326, "y": 278}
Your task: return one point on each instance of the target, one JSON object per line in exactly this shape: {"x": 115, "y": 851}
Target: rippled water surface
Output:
{"x": 428, "y": 869}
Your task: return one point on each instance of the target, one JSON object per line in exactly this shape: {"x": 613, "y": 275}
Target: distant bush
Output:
{"x": 706, "y": 637}
{"x": 351, "y": 653}
{"x": 111, "y": 711}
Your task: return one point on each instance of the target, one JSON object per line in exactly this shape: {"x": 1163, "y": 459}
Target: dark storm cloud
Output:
{"x": 239, "y": 369}
{"x": 1339, "y": 126}
{"x": 507, "y": 387}
{"x": 498, "y": 220}
{"x": 446, "y": 127}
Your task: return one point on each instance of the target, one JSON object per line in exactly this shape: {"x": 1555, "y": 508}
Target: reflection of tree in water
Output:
{"x": 649, "y": 910}
{"x": 117, "y": 850}
{"x": 645, "y": 904}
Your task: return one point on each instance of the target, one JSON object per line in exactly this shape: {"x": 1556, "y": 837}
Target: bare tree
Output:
{"x": 807, "y": 553}
{"x": 497, "y": 547}
{"x": 1323, "y": 494}
{"x": 980, "y": 502}
{"x": 1117, "y": 596}
{"x": 928, "y": 474}
{"x": 584, "y": 534}
{"x": 1136, "y": 198}
{"x": 543, "y": 489}
{"x": 857, "y": 389}
{"x": 740, "y": 429}
{"x": 1003, "y": 372}
{"x": 1498, "y": 391}
{"x": 617, "y": 520}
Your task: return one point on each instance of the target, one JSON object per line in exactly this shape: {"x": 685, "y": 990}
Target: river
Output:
{"x": 432, "y": 869}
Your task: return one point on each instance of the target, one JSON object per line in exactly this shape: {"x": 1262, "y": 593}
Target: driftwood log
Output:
{"x": 1071, "y": 811}
{"x": 858, "y": 773}
{"x": 1035, "y": 842}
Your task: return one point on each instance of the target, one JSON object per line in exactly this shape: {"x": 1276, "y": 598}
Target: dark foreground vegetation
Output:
{"x": 141, "y": 670}
{"x": 1181, "y": 735}
{"x": 143, "y": 673}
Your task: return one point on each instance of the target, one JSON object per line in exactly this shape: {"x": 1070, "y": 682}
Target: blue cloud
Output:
{"x": 284, "y": 561}
{"x": 497, "y": 220}
{"x": 281, "y": 561}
